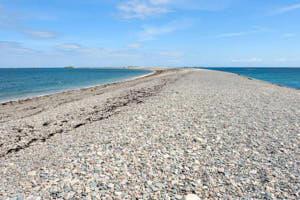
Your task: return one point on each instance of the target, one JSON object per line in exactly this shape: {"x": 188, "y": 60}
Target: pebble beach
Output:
{"x": 176, "y": 134}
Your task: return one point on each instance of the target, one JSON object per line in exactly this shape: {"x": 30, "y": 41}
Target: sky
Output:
{"x": 166, "y": 33}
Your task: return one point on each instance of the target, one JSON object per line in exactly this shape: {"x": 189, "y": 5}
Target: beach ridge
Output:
{"x": 167, "y": 135}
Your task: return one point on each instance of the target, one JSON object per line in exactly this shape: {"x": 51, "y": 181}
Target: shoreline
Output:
{"x": 33, "y": 96}
{"x": 251, "y": 78}
{"x": 33, "y": 107}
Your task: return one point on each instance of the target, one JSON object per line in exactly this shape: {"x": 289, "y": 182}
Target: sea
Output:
{"x": 22, "y": 83}
{"x": 285, "y": 76}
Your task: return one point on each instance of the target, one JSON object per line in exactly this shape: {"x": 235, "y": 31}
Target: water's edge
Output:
{"x": 36, "y": 95}
{"x": 253, "y": 78}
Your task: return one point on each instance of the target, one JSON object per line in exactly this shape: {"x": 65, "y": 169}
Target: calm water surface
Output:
{"x": 21, "y": 83}
{"x": 289, "y": 77}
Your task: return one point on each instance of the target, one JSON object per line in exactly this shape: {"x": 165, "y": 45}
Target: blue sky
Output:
{"x": 99, "y": 33}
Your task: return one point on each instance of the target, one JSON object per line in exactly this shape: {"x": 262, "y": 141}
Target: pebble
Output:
{"x": 177, "y": 196}
{"x": 191, "y": 197}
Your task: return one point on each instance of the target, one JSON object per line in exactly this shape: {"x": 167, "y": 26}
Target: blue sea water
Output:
{"x": 21, "y": 83}
{"x": 289, "y": 77}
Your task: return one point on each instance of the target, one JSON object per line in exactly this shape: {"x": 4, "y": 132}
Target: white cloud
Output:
{"x": 14, "y": 47}
{"x": 12, "y": 22}
{"x": 135, "y": 45}
{"x": 161, "y": 2}
{"x": 68, "y": 46}
{"x": 288, "y": 35}
{"x": 141, "y": 9}
{"x": 8, "y": 44}
{"x": 233, "y": 34}
{"x": 171, "y": 53}
{"x": 150, "y": 32}
{"x": 38, "y": 34}
{"x": 150, "y": 8}
{"x": 247, "y": 60}
{"x": 286, "y": 9}
{"x": 286, "y": 60}
{"x": 208, "y": 5}
{"x": 83, "y": 56}
{"x": 256, "y": 29}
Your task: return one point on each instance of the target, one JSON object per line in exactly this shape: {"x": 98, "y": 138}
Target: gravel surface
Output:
{"x": 180, "y": 134}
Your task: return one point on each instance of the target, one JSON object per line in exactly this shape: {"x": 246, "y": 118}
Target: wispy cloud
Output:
{"x": 171, "y": 53}
{"x": 14, "y": 47}
{"x": 68, "y": 46}
{"x": 161, "y": 2}
{"x": 12, "y": 22}
{"x": 286, "y": 9}
{"x": 83, "y": 56}
{"x": 151, "y": 32}
{"x": 256, "y": 29}
{"x": 246, "y": 60}
{"x": 207, "y": 5}
{"x": 233, "y": 34}
{"x": 135, "y": 45}
{"x": 38, "y": 34}
{"x": 142, "y": 9}
{"x": 287, "y": 60}
{"x": 288, "y": 35}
